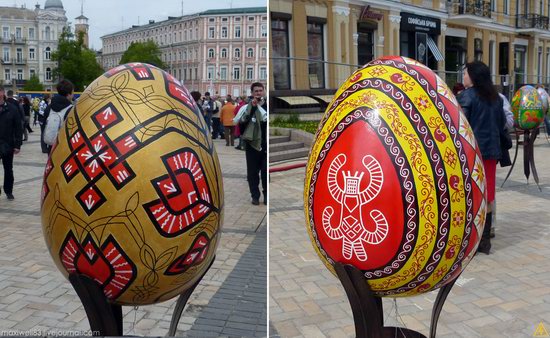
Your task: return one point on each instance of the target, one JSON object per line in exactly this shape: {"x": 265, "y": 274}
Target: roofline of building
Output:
{"x": 231, "y": 11}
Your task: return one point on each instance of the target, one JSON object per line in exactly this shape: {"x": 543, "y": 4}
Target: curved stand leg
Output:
{"x": 438, "y": 306}
{"x": 105, "y": 318}
{"x": 514, "y": 161}
{"x": 367, "y": 309}
{"x": 182, "y": 301}
{"x": 527, "y": 150}
{"x": 532, "y": 159}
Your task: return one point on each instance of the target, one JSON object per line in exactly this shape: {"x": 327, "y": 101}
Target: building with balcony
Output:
{"x": 27, "y": 40}
{"x": 316, "y": 45}
{"x": 221, "y": 51}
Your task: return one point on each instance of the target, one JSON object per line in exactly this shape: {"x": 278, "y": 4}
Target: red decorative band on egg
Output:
{"x": 395, "y": 183}
{"x": 132, "y": 195}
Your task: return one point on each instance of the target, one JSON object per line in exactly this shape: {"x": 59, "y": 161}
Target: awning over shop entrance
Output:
{"x": 435, "y": 51}
{"x": 324, "y": 98}
{"x": 297, "y": 100}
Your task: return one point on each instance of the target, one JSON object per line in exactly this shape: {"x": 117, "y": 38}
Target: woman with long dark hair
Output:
{"x": 484, "y": 110}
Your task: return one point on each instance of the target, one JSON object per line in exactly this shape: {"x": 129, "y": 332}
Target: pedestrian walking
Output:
{"x": 11, "y": 98}
{"x": 254, "y": 129}
{"x": 208, "y": 107}
{"x": 10, "y": 140}
{"x": 58, "y": 110}
{"x": 44, "y": 103}
{"x": 484, "y": 110}
{"x": 27, "y": 112}
{"x": 216, "y": 122}
{"x": 227, "y": 121}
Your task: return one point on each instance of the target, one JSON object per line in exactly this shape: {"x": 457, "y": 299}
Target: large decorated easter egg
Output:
{"x": 543, "y": 99}
{"x": 395, "y": 184}
{"x": 132, "y": 194}
{"x": 527, "y": 108}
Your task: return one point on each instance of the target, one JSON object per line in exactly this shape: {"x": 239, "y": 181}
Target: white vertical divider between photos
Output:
{"x": 268, "y": 61}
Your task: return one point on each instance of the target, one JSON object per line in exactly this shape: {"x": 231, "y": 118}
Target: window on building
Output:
{"x": 19, "y": 55}
{"x": 224, "y": 19}
{"x": 224, "y": 32}
{"x": 263, "y": 53}
{"x": 236, "y": 73}
{"x": 520, "y": 64}
{"x": 250, "y": 53}
{"x": 184, "y": 74}
{"x": 48, "y": 53}
{"x": 224, "y": 53}
{"x": 20, "y": 74}
{"x": 263, "y": 73}
{"x": 32, "y": 72}
{"x": 263, "y": 30}
{"x": 210, "y": 53}
{"x": 250, "y": 18}
{"x": 250, "y": 32}
{"x": 210, "y": 73}
{"x": 249, "y": 73}
{"x": 223, "y": 73}
{"x": 6, "y": 54}
{"x": 280, "y": 52}
{"x": 237, "y": 53}
{"x": 211, "y": 32}
{"x": 238, "y": 19}
{"x": 7, "y": 74}
{"x": 48, "y": 74}
{"x": 5, "y": 33}
{"x": 184, "y": 55}
{"x": 211, "y": 20}
{"x": 237, "y": 32}
{"x": 18, "y": 33}
{"x": 48, "y": 33}
{"x": 315, "y": 52}
{"x": 196, "y": 73}
{"x": 539, "y": 65}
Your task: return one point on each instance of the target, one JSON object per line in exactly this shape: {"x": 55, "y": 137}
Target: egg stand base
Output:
{"x": 368, "y": 314}
{"x": 528, "y": 156}
{"x": 106, "y": 318}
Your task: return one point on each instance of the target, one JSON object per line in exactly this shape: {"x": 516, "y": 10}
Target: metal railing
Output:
{"x": 480, "y": 8}
{"x": 532, "y": 21}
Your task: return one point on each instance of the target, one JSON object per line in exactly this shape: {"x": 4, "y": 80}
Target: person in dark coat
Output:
{"x": 11, "y": 99}
{"x": 483, "y": 108}
{"x": 27, "y": 111}
{"x": 11, "y": 131}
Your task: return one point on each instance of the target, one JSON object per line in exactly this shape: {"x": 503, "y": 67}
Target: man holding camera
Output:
{"x": 254, "y": 124}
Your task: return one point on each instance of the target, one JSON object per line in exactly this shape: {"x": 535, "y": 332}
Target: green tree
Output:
{"x": 33, "y": 84}
{"x": 76, "y": 62}
{"x": 146, "y": 52}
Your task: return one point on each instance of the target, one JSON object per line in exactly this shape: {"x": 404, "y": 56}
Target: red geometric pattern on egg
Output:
{"x": 132, "y": 195}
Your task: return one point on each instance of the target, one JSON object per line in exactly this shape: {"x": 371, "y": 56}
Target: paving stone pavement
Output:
{"x": 36, "y": 299}
{"x": 504, "y": 294}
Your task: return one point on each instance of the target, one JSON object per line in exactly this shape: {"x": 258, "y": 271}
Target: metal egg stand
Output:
{"x": 368, "y": 314}
{"x": 106, "y": 318}
{"x": 529, "y": 137}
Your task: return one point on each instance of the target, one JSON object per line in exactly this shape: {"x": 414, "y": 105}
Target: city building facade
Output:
{"x": 28, "y": 39}
{"x": 511, "y": 36}
{"x": 221, "y": 51}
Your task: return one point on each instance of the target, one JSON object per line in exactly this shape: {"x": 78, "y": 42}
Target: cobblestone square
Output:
{"x": 504, "y": 294}
{"x": 35, "y": 299}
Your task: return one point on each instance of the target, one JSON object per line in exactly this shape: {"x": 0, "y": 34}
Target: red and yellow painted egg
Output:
{"x": 527, "y": 108}
{"x": 395, "y": 184}
{"x": 132, "y": 194}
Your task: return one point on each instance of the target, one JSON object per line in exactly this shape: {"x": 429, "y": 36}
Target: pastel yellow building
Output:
{"x": 316, "y": 44}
